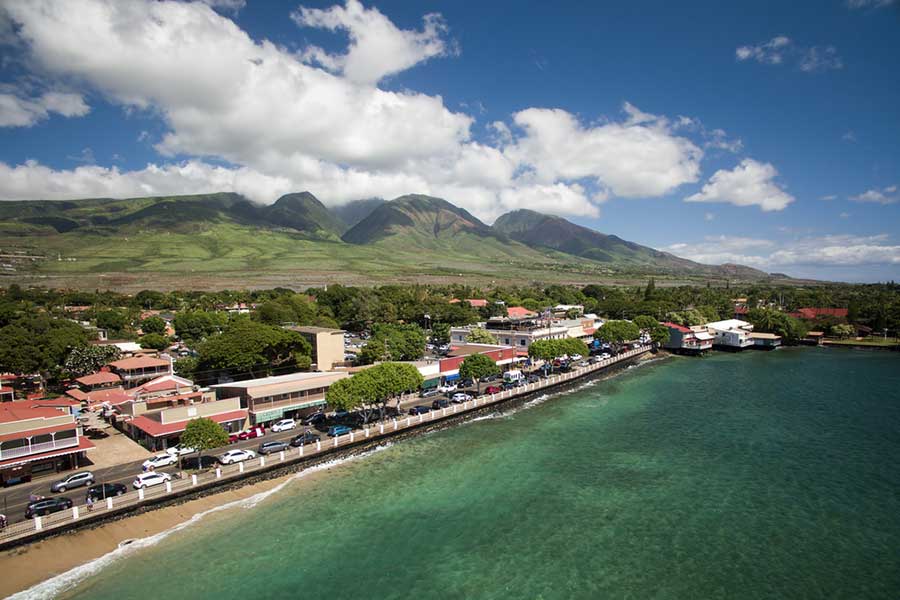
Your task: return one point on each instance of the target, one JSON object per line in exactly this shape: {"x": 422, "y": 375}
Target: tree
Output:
{"x": 370, "y": 389}
{"x": 196, "y": 325}
{"x": 440, "y": 334}
{"x": 393, "y": 342}
{"x": 659, "y": 334}
{"x": 153, "y": 325}
{"x": 476, "y": 366}
{"x": 257, "y": 349}
{"x": 203, "y": 434}
{"x": 38, "y": 343}
{"x": 617, "y": 332}
{"x": 84, "y": 360}
{"x": 479, "y": 335}
{"x": 154, "y": 340}
{"x": 111, "y": 320}
{"x": 842, "y": 331}
{"x": 650, "y": 292}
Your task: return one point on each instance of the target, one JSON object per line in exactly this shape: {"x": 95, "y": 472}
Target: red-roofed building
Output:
{"x": 811, "y": 314}
{"x": 520, "y": 312}
{"x": 138, "y": 369}
{"x": 683, "y": 340}
{"x": 98, "y": 380}
{"x": 7, "y": 394}
{"x": 162, "y": 428}
{"x": 35, "y": 439}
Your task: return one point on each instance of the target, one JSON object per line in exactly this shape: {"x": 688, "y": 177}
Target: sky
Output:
{"x": 764, "y": 133}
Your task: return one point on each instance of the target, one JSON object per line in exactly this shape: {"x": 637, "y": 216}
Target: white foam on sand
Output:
{"x": 66, "y": 581}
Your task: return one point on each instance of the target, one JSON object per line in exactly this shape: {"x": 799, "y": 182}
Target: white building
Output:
{"x": 731, "y": 334}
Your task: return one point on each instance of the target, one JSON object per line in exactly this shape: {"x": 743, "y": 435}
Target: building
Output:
{"x": 683, "y": 340}
{"x": 98, "y": 381}
{"x": 731, "y": 334}
{"x": 7, "y": 394}
{"x": 811, "y": 314}
{"x": 38, "y": 439}
{"x": 473, "y": 302}
{"x": 765, "y": 341}
{"x": 813, "y": 338}
{"x": 519, "y": 334}
{"x": 327, "y": 345}
{"x": 561, "y": 310}
{"x": 520, "y": 312}
{"x": 504, "y": 357}
{"x": 272, "y": 398}
{"x": 160, "y": 429}
{"x": 138, "y": 369}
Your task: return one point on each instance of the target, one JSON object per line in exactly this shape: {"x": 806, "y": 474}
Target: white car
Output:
{"x": 284, "y": 425}
{"x": 145, "y": 480}
{"x": 460, "y": 398}
{"x": 160, "y": 460}
{"x": 447, "y": 387}
{"x": 576, "y": 357}
{"x": 236, "y": 456}
{"x": 180, "y": 450}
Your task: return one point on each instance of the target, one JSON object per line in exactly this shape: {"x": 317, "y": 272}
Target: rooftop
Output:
{"x": 139, "y": 362}
{"x": 99, "y": 378}
{"x": 11, "y": 412}
{"x": 314, "y": 329}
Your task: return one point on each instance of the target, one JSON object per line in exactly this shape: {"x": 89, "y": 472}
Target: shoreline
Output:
{"x": 61, "y": 554}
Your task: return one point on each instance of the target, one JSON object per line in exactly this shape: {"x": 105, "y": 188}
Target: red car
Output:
{"x": 247, "y": 434}
{"x": 492, "y": 389}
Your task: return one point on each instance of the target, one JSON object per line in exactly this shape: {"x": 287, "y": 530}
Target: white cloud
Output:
{"x": 771, "y": 52}
{"x": 751, "y": 183}
{"x": 777, "y": 50}
{"x": 16, "y": 111}
{"x": 377, "y": 47}
{"x": 886, "y": 195}
{"x": 823, "y": 251}
{"x": 849, "y": 136}
{"x": 869, "y": 3}
{"x": 821, "y": 59}
{"x": 709, "y": 216}
{"x": 232, "y": 6}
{"x": 829, "y": 197}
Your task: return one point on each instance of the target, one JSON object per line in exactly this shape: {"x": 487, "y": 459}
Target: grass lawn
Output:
{"x": 872, "y": 341}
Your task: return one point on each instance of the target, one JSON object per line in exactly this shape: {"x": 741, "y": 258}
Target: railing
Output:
{"x": 37, "y": 448}
{"x": 223, "y": 473}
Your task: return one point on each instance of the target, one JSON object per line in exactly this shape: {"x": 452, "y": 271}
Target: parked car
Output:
{"x": 440, "y": 403}
{"x": 533, "y": 378}
{"x": 284, "y": 425}
{"x": 47, "y": 506}
{"x": 467, "y": 383}
{"x": 492, "y": 389}
{"x": 314, "y": 419}
{"x": 72, "y": 481}
{"x": 430, "y": 393}
{"x": 489, "y": 378}
{"x": 271, "y": 447}
{"x": 236, "y": 456}
{"x": 447, "y": 387}
{"x": 160, "y": 460}
{"x": 460, "y": 397}
{"x": 247, "y": 434}
{"x": 576, "y": 357}
{"x": 583, "y": 363}
{"x": 105, "y": 490}
{"x": 421, "y": 409}
{"x": 337, "y": 430}
{"x": 304, "y": 438}
{"x": 145, "y": 480}
{"x": 180, "y": 450}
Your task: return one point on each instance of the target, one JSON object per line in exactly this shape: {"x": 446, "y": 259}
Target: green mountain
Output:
{"x": 355, "y": 211}
{"x": 538, "y": 230}
{"x": 304, "y": 213}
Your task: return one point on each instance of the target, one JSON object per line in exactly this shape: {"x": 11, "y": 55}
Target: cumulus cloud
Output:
{"x": 780, "y": 48}
{"x": 886, "y": 195}
{"x": 310, "y": 119}
{"x": 751, "y": 183}
{"x": 829, "y": 250}
{"x": 18, "y": 111}
{"x": 377, "y": 47}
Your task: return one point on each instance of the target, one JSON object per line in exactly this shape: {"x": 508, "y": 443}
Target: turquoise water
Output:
{"x": 759, "y": 475}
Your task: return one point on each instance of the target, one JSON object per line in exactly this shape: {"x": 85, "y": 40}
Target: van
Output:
{"x": 513, "y": 376}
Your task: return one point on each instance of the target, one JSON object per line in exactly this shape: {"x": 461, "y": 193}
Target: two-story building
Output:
{"x": 765, "y": 341}
{"x": 327, "y": 345}
{"x": 731, "y": 334}
{"x": 138, "y": 369}
{"x": 283, "y": 396}
{"x": 98, "y": 381}
{"x": 38, "y": 439}
{"x": 518, "y": 333}
{"x": 160, "y": 428}
{"x": 683, "y": 340}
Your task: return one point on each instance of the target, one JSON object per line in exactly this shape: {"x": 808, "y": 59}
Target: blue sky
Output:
{"x": 765, "y": 133}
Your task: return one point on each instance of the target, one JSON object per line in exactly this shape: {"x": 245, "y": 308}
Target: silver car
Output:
{"x": 74, "y": 480}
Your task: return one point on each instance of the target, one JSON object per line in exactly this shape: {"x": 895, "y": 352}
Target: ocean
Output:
{"x": 755, "y": 475}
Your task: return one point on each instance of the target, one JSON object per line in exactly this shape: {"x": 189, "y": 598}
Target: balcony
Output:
{"x": 6, "y": 453}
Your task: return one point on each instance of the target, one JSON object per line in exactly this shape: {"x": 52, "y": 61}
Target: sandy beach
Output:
{"x": 29, "y": 565}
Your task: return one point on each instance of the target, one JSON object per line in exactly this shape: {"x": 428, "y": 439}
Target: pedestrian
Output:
{"x": 90, "y": 503}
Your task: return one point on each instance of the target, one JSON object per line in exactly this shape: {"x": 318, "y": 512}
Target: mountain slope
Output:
{"x": 538, "y": 230}
{"x": 355, "y": 211}
{"x": 303, "y": 212}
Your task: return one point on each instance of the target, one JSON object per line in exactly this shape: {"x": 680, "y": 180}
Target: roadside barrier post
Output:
{"x": 367, "y": 431}
{"x": 281, "y": 454}
{"x": 109, "y": 503}
{"x": 241, "y": 467}
{"x": 381, "y": 428}
{"x": 74, "y": 512}
{"x": 420, "y": 417}
{"x": 335, "y": 441}
{"x": 262, "y": 461}
{"x": 351, "y": 437}
{"x": 318, "y": 445}
{"x": 218, "y": 473}
{"x": 194, "y": 480}
{"x": 168, "y": 487}
{"x": 300, "y": 449}
{"x": 395, "y": 424}
{"x": 38, "y": 525}
{"x": 141, "y": 494}
{"x": 407, "y": 421}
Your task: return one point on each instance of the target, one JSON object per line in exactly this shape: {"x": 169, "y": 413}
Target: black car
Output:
{"x": 533, "y": 378}
{"x": 305, "y": 438}
{"x": 47, "y": 506}
{"x": 314, "y": 419}
{"x": 271, "y": 447}
{"x": 105, "y": 490}
{"x": 488, "y": 378}
{"x": 419, "y": 410}
{"x": 440, "y": 403}
{"x": 465, "y": 383}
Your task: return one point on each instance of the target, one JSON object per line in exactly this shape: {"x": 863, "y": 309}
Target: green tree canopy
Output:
{"x": 249, "y": 347}
{"x": 440, "y": 333}
{"x": 38, "y": 343}
{"x": 476, "y": 366}
{"x": 772, "y": 321}
{"x": 84, "y": 360}
{"x": 479, "y": 335}
{"x": 369, "y": 390}
{"x": 617, "y": 332}
{"x": 153, "y": 325}
{"x": 393, "y": 342}
{"x": 203, "y": 434}
{"x": 196, "y": 325}
{"x": 154, "y": 340}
